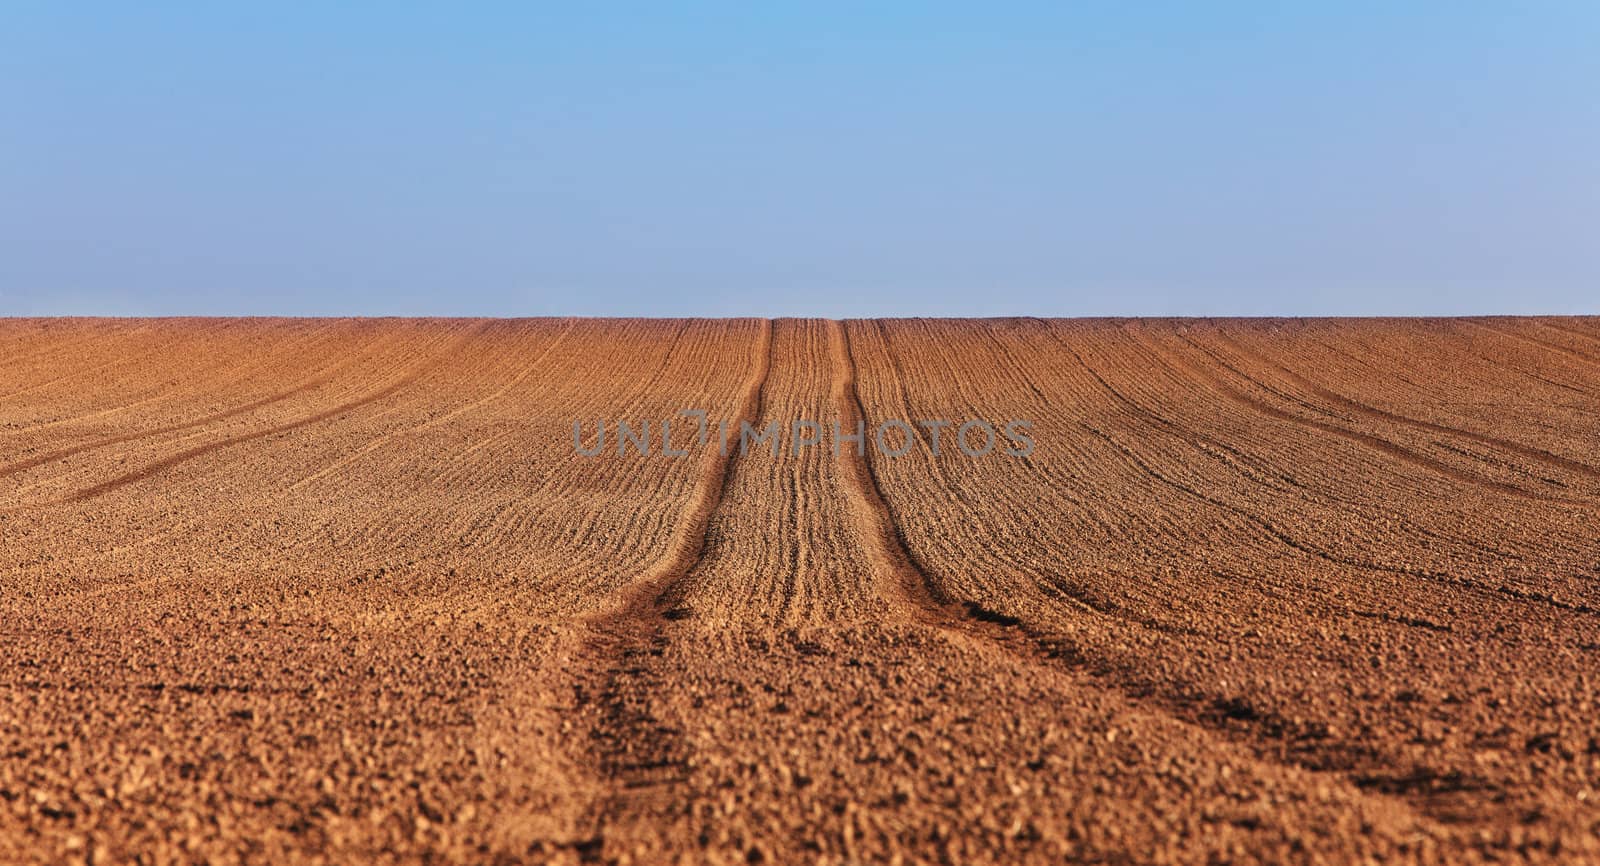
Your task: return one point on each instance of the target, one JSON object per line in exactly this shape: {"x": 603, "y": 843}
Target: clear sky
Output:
{"x": 840, "y": 159}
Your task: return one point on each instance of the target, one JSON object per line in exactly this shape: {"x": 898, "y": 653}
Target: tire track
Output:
{"x": 530, "y": 509}
{"x": 57, "y": 347}
{"x": 60, "y": 454}
{"x": 380, "y": 441}
{"x": 1436, "y": 379}
{"x": 1031, "y": 725}
{"x": 653, "y": 594}
{"x": 1284, "y": 537}
{"x": 1500, "y": 364}
{"x": 1082, "y": 596}
{"x": 51, "y": 457}
{"x": 1351, "y": 506}
{"x": 902, "y": 577}
{"x": 1377, "y": 414}
{"x": 1559, "y": 349}
{"x": 201, "y": 336}
{"x": 1586, "y": 336}
{"x": 639, "y": 755}
{"x": 1265, "y": 475}
{"x": 1270, "y": 736}
{"x": 1378, "y": 443}
{"x": 37, "y": 339}
{"x": 1280, "y": 535}
{"x": 1049, "y": 486}
{"x": 166, "y": 463}
{"x": 1252, "y": 470}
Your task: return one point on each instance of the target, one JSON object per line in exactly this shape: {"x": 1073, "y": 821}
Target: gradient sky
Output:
{"x": 809, "y": 158}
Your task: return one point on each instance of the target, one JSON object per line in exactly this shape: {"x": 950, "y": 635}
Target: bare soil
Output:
{"x": 1265, "y": 591}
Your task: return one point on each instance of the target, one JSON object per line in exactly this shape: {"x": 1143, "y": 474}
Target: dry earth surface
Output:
{"x": 1317, "y": 591}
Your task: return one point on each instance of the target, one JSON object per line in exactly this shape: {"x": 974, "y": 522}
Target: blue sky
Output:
{"x": 893, "y": 158}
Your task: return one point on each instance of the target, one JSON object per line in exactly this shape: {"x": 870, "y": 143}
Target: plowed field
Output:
{"x": 1321, "y": 591}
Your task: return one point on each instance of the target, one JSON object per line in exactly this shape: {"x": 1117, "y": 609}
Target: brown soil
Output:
{"x": 1267, "y": 591}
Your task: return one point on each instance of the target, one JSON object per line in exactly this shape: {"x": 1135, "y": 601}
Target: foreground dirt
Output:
{"x": 337, "y": 590}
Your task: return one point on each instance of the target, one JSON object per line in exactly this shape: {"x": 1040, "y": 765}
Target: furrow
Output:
{"x": 167, "y": 463}
{"x": 922, "y": 600}
{"x": 1382, "y": 415}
